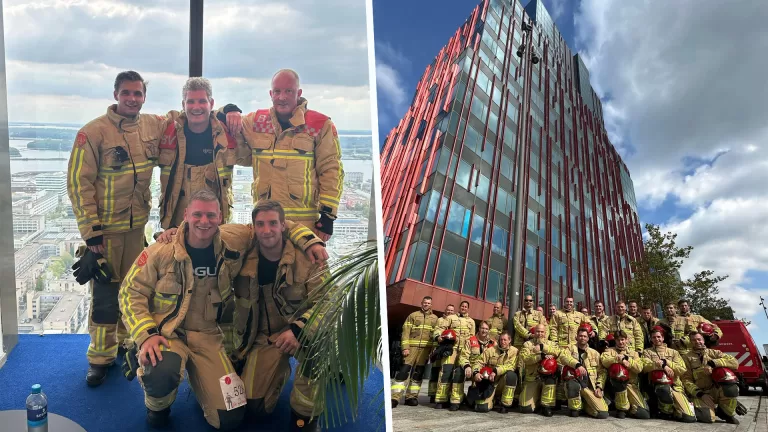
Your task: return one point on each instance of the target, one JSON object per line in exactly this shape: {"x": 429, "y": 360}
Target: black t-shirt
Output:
{"x": 285, "y": 125}
{"x": 267, "y": 270}
{"x": 203, "y": 261}
{"x": 199, "y": 146}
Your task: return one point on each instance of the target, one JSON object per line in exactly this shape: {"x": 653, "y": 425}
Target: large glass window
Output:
{"x": 470, "y": 278}
{"x": 445, "y": 270}
{"x": 530, "y": 257}
{"x": 495, "y": 287}
{"x": 458, "y": 220}
{"x": 499, "y": 244}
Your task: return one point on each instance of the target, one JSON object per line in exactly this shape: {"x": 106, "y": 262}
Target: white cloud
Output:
{"x": 686, "y": 86}
{"x": 64, "y": 54}
{"x": 393, "y": 97}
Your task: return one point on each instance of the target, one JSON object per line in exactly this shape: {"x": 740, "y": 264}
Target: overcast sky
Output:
{"x": 685, "y": 103}
{"x": 62, "y": 56}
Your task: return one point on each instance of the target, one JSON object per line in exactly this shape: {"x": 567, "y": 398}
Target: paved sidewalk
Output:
{"x": 425, "y": 418}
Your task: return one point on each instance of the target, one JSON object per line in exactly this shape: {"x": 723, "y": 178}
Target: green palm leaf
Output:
{"x": 344, "y": 337}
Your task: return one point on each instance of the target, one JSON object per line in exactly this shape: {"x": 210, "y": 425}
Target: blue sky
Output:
{"x": 684, "y": 106}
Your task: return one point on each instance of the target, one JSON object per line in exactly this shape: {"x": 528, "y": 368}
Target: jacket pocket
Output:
{"x": 304, "y": 144}
{"x": 166, "y": 295}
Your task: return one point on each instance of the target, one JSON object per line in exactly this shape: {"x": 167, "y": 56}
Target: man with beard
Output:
{"x": 626, "y": 395}
{"x": 624, "y": 322}
{"x": 443, "y": 322}
{"x": 694, "y": 320}
{"x": 588, "y": 386}
{"x": 502, "y": 361}
{"x": 539, "y": 385}
{"x": 711, "y": 398}
{"x": 599, "y": 322}
{"x": 497, "y": 321}
{"x": 675, "y": 324}
{"x": 452, "y": 373}
{"x": 416, "y": 345}
{"x": 295, "y": 154}
{"x": 665, "y": 367}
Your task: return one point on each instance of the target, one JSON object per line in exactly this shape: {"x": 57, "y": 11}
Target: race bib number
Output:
{"x": 233, "y": 390}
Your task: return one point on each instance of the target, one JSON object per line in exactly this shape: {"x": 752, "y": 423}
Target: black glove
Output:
{"x": 326, "y": 224}
{"x": 91, "y": 266}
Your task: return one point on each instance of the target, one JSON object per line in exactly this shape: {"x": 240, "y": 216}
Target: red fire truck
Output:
{"x": 737, "y": 342}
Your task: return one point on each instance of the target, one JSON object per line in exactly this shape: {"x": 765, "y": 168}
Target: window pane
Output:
{"x": 434, "y": 199}
{"x": 431, "y": 265}
{"x": 470, "y": 278}
{"x": 456, "y": 286}
{"x": 499, "y": 245}
{"x": 483, "y": 188}
{"x": 530, "y": 257}
{"x": 445, "y": 270}
{"x": 542, "y": 262}
{"x": 443, "y": 211}
{"x": 494, "y": 284}
{"x": 462, "y": 177}
{"x": 477, "y": 229}
{"x": 556, "y": 237}
{"x": 455, "y": 218}
{"x": 394, "y": 269}
{"x": 419, "y": 257}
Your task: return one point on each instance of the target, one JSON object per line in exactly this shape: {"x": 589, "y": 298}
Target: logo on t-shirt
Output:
{"x": 204, "y": 271}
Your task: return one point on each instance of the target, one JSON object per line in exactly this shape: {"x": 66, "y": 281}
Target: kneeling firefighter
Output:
{"x": 623, "y": 366}
{"x": 585, "y": 381}
{"x": 711, "y": 382}
{"x": 495, "y": 377}
{"x": 665, "y": 367}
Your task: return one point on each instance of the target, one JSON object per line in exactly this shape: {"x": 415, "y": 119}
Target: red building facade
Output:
{"x": 448, "y": 176}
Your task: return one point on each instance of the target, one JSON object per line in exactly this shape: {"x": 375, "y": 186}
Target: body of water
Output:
{"x": 47, "y": 160}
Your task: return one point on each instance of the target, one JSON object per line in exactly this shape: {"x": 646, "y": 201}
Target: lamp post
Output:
{"x": 525, "y": 52}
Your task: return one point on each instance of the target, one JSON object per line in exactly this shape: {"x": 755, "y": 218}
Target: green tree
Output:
{"x": 703, "y": 296}
{"x": 67, "y": 260}
{"x": 40, "y": 283}
{"x": 657, "y": 274}
{"x": 56, "y": 268}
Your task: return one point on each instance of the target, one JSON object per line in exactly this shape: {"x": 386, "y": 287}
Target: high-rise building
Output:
{"x": 449, "y": 169}
{"x": 55, "y": 182}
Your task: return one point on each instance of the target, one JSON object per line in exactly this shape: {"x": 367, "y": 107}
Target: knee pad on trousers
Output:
{"x": 256, "y": 408}
{"x": 165, "y": 377}
{"x": 482, "y": 407}
{"x": 664, "y": 393}
{"x": 730, "y": 390}
{"x": 688, "y": 418}
{"x": 572, "y": 389}
{"x": 457, "y": 376}
{"x": 601, "y": 415}
{"x": 403, "y": 372}
{"x": 704, "y": 415}
{"x": 642, "y": 414}
{"x": 618, "y": 386}
{"x": 418, "y": 373}
{"x": 549, "y": 380}
{"x": 447, "y": 372}
{"x": 511, "y": 378}
{"x": 231, "y": 420}
{"x": 105, "y": 303}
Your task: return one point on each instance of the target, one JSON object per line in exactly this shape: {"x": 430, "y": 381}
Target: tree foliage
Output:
{"x": 703, "y": 296}
{"x": 56, "y": 268}
{"x": 657, "y": 274}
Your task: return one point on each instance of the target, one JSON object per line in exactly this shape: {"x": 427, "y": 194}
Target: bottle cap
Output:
{"x": 36, "y": 388}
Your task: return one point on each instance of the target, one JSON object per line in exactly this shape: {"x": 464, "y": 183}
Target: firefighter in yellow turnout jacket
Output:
{"x": 499, "y": 386}
{"x": 170, "y": 302}
{"x": 452, "y": 373}
{"x": 497, "y": 322}
{"x": 270, "y": 316}
{"x": 108, "y": 177}
{"x": 622, "y": 321}
{"x": 195, "y": 153}
{"x": 564, "y": 323}
{"x": 710, "y": 398}
{"x": 416, "y": 345}
{"x": 296, "y": 156}
{"x": 588, "y": 386}
{"x": 626, "y": 394}
{"x": 540, "y": 388}
{"x": 437, "y": 363}
{"x": 525, "y": 320}
{"x": 693, "y": 320}
{"x": 677, "y": 324}
{"x": 666, "y": 363}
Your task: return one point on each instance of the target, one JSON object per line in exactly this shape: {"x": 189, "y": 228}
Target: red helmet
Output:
{"x": 548, "y": 366}
{"x": 706, "y": 329}
{"x": 569, "y": 373}
{"x": 609, "y": 337}
{"x": 532, "y": 330}
{"x": 724, "y": 375}
{"x": 618, "y": 372}
{"x": 586, "y": 326}
{"x": 660, "y": 377}
{"x": 449, "y": 335}
{"x": 486, "y": 372}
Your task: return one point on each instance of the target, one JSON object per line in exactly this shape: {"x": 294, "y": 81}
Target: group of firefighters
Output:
{"x": 630, "y": 362}
{"x": 224, "y": 305}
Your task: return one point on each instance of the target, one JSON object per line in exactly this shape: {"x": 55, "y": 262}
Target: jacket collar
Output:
{"x": 121, "y": 122}
{"x": 297, "y": 117}
{"x": 180, "y": 247}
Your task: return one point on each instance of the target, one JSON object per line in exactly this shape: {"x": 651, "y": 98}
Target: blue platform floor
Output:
{"x": 58, "y": 363}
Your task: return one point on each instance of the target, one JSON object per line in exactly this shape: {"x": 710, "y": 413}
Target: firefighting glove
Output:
{"x": 325, "y": 224}
{"x": 91, "y": 266}
{"x": 130, "y": 363}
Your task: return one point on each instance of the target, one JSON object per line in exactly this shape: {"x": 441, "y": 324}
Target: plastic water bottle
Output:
{"x": 37, "y": 410}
